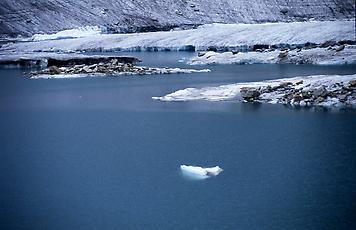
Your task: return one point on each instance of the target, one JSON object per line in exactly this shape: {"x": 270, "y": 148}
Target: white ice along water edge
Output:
{"x": 337, "y": 55}
{"x": 199, "y": 172}
{"x": 218, "y": 35}
{"x": 321, "y": 90}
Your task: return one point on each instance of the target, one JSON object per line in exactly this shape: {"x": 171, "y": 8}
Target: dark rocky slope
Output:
{"x": 27, "y": 17}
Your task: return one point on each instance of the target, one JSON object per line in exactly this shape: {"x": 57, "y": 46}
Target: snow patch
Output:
{"x": 80, "y": 32}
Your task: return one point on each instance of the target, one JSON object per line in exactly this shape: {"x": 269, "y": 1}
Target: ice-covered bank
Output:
{"x": 336, "y": 55}
{"x": 321, "y": 90}
{"x": 217, "y": 36}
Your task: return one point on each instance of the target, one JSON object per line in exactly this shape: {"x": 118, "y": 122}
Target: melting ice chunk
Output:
{"x": 199, "y": 172}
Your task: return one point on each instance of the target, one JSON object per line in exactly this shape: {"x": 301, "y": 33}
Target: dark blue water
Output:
{"x": 98, "y": 153}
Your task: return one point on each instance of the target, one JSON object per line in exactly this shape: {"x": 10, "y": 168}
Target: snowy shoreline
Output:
{"x": 320, "y": 90}
{"x": 332, "y": 55}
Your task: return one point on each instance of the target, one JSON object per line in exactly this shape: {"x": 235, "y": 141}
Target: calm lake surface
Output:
{"x": 99, "y": 153}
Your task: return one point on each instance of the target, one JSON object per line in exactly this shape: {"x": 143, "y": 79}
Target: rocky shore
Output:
{"x": 304, "y": 94}
{"x": 320, "y": 90}
{"x": 329, "y": 54}
{"x": 111, "y": 66}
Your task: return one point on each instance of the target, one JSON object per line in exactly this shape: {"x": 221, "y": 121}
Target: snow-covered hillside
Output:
{"x": 28, "y": 17}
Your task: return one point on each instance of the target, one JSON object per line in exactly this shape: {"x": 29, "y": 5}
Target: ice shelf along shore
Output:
{"x": 320, "y": 90}
{"x": 336, "y": 55}
{"x": 222, "y": 36}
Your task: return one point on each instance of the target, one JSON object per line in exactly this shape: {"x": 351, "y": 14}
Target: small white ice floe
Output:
{"x": 199, "y": 172}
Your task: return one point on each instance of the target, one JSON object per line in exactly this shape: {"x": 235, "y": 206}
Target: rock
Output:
{"x": 320, "y": 92}
{"x": 297, "y": 97}
{"x": 260, "y": 47}
{"x": 352, "y": 84}
{"x": 114, "y": 61}
{"x": 328, "y": 43}
{"x": 283, "y": 54}
{"x": 299, "y": 82}
{"x": 284, "y": 11}
{"x": 187, "y": 48}
{"x": 249, "y": 93}
{"x": 342, "y": 97}
{"x": 340, "y": 48}
{"x": 303, "y": 103}
{"x": 319, "y": 100}
{"x": 282, "y": 85}
{"x": 86, "y": 69}
{"x": 266, "y": 89}
{"x": 306, "y": 94}
{"x": 212, "y": 48}
{"x": 54, "y": 70}
{"x": 201, "y": 54}
{"x": 310, "y": 45}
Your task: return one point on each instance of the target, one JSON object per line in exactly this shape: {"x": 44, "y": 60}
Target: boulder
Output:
{"x": 86, "y": 69}
{"x": 282, "y": 85}
{"x": 342, "y": 97}
{"x": 297, "y": 97}
{"x": 352, "y": 84}
{"x": 299, "y": 82}
{"x": 54, "y": 70}
{"x": 340, "y": 48}
{"x": 328, "y": 43}
{"x": 319, "y": 100}
{"x": 320, "y": 92}
{"x": 283, "y": 54}
{"x": 250, "y": 93}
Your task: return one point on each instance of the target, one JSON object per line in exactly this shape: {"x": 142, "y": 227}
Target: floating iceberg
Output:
{"x": 199, "y": 172}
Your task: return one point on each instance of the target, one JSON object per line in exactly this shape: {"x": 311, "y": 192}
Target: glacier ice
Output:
{"x": 213, "y": 35}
